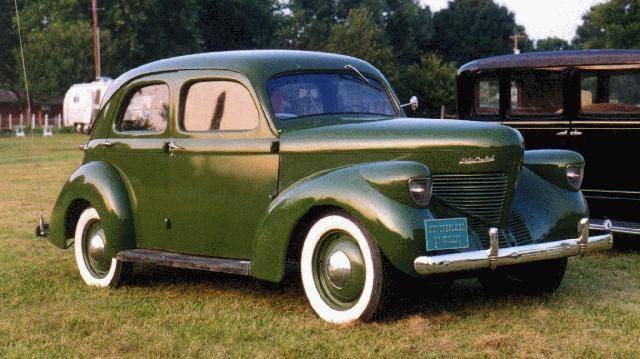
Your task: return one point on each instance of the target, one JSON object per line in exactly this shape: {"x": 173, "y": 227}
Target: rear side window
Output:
{"x": 610, "y": 92}
{"x": 147, "y": 110}
{"x": 219, "y": 106}
{"x": 536, "y": 93}
{"x": 487, "y": 96}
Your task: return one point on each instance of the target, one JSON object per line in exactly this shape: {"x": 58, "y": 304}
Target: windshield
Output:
{"x": 300, "y": 95}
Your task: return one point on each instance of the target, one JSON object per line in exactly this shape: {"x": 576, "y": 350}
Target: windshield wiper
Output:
{"x": 366, "y": 80}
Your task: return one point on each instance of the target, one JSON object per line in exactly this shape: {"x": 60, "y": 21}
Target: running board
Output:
{"x": 170, "y": 259}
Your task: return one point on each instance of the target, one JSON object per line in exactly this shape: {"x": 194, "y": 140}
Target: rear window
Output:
{"x": 536, "y": 93}
{"x": 487, "y": 96}
{"x": 610, "y": 92}
{"x": 219, "y": 106}
{"x": 147, "y": 110}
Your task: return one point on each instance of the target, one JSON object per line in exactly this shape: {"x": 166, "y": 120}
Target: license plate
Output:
{"x": 450, "y": 233}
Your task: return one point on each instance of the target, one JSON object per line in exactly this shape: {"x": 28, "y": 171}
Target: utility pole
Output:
{"x": 516, "y": 37}
{"x": 96, "y": 37}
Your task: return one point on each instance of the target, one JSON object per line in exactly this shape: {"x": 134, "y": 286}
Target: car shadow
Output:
{"x": 424, "y": 299}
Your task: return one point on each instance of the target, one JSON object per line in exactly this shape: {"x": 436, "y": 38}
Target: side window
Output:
{"x": 487, "y": 96}
{"x": 536, "y": 93}
{"x": 610, "y": 92}
{"x": 147, "y": 110}
{"x": 219, "y": 105}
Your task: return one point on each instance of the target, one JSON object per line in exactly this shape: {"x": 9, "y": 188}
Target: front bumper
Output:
{"x": 496, "y": 257}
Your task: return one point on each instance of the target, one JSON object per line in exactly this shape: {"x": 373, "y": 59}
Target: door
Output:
{"x": 136, "y": 147}
{"x": 534, "y": 103}
{"x": 223, "y": 168}
{"x": 606, "y": 131}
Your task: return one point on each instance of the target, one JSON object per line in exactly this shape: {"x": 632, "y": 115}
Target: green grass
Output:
{"x": 46, "y": 310}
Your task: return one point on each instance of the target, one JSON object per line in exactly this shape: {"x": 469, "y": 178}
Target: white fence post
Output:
{"x": 59, "y": 121}
{"x": 10, "y": 124}
{"x": 20, "y": 131}
{"x": 46, "y": 131}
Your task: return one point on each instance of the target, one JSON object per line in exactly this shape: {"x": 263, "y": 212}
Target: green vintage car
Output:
{"x": 245, "y": 162}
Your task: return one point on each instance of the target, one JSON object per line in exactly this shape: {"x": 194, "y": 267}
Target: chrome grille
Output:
{"x": 517, "y": 233}
{"x": 480, "y": 195}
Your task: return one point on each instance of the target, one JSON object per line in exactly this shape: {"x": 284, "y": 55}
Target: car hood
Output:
{"x": 400, "y": 135}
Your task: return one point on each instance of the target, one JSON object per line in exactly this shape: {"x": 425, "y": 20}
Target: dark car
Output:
{"x": 586, "y": 101}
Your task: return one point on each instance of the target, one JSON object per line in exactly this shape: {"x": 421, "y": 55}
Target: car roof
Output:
{"x": 257, "y": 65}
{"x": 554, "y": 59}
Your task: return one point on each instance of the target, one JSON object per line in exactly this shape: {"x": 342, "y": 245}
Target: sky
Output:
{"x": 541, "y": 18}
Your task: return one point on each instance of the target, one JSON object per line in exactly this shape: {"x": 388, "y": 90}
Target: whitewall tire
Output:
{"x": 95, "y": 268}
{"x": 341, "y": 270}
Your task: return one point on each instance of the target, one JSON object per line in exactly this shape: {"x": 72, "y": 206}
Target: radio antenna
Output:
{"x": 43, "y": 228}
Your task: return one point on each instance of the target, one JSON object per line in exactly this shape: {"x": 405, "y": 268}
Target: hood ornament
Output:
{"x": 476, "y": 160}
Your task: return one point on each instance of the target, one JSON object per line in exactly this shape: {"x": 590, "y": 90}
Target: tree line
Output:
{"x": 417, "y": 49}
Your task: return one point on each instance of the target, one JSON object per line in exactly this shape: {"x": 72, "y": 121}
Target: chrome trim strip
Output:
{"x": 615, "y": 229}
{"x": 534, "y": 123}
{"x": 495, "y": 257}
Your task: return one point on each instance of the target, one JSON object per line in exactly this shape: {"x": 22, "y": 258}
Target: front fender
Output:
{"x": 549, "y": 211}
{"x": 100, "y": 185}
{"x": 362, "y": 190}
{"x": 552, "y": 164}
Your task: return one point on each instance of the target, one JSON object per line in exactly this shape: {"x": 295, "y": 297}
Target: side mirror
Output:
{"x": 413, "y": 103}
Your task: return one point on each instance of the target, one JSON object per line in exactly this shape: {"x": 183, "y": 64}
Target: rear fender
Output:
{"x": 98, "y": 184}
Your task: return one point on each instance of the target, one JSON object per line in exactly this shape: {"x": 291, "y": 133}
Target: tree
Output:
{"x": 409, "y": 28}
{"x": 553, "y": 44}
{"x": 615, "y": 24}
{"x": 57, "y": 45}
{"x": 311, "y": 20}
{"x": 8, "y": 45}
{"x": 432, "y": 81}
{"x": 361, "y": 37}
{"x": 472, "y": 29}
{"x": 236, "y": 24}
{"x": 147, "y": 30}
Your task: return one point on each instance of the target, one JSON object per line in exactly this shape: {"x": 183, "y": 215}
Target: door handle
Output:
{"x": 562, "y": 133}
{"x": 171, "y": 146}
{"x": 576, "y": 133}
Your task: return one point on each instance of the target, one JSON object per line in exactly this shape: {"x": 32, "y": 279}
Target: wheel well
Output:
{"x": 73, "y": 215}
{"x": 296, "y": 239}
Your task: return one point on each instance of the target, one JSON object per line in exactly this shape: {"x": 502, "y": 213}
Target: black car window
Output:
{"x": 536, "y": 93}
{"x": 609, "y": 92}
{"x": 147, "y": 110}
{"x": 219, "y": 105}
{"x": 487, "y": 96}
{"x": 300, "y": 95}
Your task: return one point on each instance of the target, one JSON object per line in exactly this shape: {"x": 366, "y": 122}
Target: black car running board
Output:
{"x": 176, "y": 260}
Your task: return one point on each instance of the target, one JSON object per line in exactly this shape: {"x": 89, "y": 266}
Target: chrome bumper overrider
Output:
{"x": 495, "y": 257}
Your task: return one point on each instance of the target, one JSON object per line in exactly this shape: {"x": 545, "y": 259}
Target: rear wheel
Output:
{"x": 535, "y": 278}
{"x": 95, "y": 267}
{"x": 341, "y": 270}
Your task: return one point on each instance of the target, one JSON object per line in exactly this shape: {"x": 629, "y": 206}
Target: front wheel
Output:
{"x": 535, "y": 278}
{"x": 341, "y": 270}
{"x": 96, "y": 269}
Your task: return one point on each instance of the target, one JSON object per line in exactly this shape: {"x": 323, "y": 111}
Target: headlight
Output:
{"x": 420, "y": 190}
{"x": 574, "y": 176}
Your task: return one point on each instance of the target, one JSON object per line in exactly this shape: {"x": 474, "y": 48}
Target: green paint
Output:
{"x": 241, "y": 194}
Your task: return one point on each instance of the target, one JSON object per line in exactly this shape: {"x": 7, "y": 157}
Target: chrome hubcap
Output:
{"x": 338, "y": 269}
{"x": 94, "y": 251}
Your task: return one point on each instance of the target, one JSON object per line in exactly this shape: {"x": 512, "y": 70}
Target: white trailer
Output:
{"x": 81, "y": 103}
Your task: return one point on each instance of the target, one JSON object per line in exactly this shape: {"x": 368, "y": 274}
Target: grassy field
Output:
{"x": 46, "y": 310}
